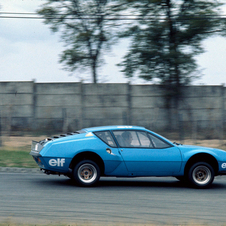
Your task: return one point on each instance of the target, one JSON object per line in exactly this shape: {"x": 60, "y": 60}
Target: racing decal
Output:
{"x": 57, "y": 162}
{"x": 223, "y": 165}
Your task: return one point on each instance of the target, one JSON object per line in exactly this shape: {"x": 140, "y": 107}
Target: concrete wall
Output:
{"x": 29, "y": 106}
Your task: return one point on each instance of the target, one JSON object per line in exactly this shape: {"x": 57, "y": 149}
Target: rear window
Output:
{"x": 106, "y": 137}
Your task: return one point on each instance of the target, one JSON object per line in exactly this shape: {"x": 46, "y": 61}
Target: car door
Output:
{"x": 146, "y": 154}
{"x": 113, "y": 161}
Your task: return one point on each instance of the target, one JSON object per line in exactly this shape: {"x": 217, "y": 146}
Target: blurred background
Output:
{"x": 74, "y": 64}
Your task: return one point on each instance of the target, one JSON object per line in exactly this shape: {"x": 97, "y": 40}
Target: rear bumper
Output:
{"x": 49, "y": 164}
{"x": 37, "y": 158}
{"x": 34, "y": 153}
{"x": 48, "y": 172}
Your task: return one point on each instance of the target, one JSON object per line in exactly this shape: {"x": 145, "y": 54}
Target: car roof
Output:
{"x": 118, "y": 127}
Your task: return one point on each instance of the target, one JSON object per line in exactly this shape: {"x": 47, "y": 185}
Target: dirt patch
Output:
{"x": 19, "y": 141}
{"x": 214, "y": 143}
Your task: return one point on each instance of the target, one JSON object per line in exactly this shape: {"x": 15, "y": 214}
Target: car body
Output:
{"x": 126, "y": 151}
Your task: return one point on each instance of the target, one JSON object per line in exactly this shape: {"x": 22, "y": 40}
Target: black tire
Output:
{"x": 201, "y": 175}
{"x": 86, "y": 173}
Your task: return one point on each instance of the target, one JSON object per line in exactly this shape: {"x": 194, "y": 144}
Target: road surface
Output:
{"x": 39, "y": 198}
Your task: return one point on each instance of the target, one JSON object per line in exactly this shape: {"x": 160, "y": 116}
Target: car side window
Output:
{"x": 106, "y": 137}
{"x": 158, "y": 143}
{"x": 130, "y": 138}
{"x": 144, "y": 140}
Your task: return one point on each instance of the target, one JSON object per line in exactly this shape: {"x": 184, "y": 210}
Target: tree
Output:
{"x": 85, "y": 31}
{"x": 166, "y": 37}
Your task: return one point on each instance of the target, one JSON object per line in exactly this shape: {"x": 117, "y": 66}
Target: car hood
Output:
{"x": 184, "y": 147}
{"x": 193, "y": 148}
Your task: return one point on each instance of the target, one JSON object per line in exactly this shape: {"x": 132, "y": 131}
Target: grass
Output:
{"x": 16, "y": 158}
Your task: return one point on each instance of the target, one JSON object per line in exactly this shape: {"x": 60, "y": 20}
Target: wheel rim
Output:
{"x": 87, "y": 173}
{"x": 201, "y": 175}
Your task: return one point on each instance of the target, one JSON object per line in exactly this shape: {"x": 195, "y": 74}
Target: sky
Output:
{"x": 30, "y": 51}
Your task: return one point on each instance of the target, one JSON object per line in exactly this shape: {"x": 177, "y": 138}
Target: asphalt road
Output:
{"x": 38, "y": 198}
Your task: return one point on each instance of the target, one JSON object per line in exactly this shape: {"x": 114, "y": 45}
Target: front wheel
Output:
{"x": 86, "y": 173}
{"x": 201, "y": 175}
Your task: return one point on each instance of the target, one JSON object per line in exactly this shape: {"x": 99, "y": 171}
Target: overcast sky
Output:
{"x": 29, "y": 50}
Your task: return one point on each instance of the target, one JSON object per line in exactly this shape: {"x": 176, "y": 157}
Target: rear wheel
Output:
{"x": 201, "y": 175}
{"x": 86, "y": 173}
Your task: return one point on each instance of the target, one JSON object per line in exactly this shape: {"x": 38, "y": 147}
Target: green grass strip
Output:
{"x": 16, "y": 159}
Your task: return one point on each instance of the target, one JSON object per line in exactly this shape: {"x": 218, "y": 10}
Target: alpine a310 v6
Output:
{"x": 126, "y": 151}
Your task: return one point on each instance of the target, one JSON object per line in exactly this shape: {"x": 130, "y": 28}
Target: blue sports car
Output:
{"x": 126, "y": 151}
